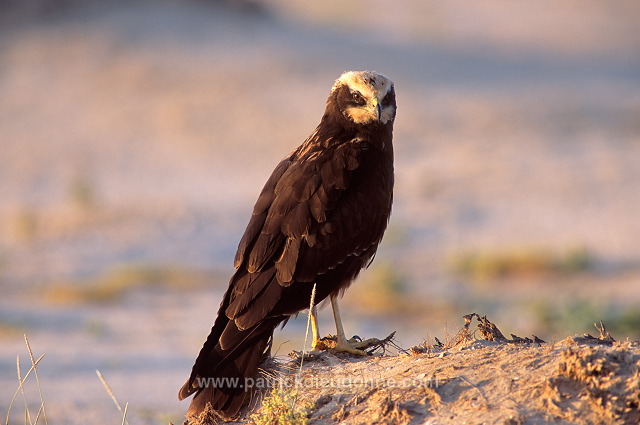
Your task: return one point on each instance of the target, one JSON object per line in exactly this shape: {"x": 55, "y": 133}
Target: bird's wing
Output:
{"x": 301, "y": 227}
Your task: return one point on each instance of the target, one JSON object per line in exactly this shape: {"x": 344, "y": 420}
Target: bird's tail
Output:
{"x": 231, "y": 384}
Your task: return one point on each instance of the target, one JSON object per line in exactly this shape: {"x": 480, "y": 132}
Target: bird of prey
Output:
{"x": 318, "y": 220}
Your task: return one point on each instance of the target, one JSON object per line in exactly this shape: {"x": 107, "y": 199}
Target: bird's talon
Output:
{"x": 347, "y": 348}
{"x": 356, "y": 347}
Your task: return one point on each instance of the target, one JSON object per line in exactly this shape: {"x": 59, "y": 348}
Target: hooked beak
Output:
{"x": 376, "y": 109}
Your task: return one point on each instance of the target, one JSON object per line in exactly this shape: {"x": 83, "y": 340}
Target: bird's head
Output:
{"x": 364, "y": 97}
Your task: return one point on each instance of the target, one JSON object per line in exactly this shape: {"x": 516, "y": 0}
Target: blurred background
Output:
{"x": 136, "y": 136}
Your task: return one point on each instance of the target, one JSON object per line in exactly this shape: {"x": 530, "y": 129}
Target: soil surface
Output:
{"x": 491, "y": 380}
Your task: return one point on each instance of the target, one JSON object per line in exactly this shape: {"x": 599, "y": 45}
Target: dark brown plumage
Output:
{"x": 319, "y": 219}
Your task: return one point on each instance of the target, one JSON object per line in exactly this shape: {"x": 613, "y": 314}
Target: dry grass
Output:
{"x": 106, "y": 386}
{"x": 114, "y": 284}
{"x": 32, "y": 416}
{"x": 29, "y": 417}
{"x": 491, "y": 265}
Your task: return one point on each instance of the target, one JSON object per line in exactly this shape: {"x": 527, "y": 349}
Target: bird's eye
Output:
{"x": 357, "y": 98}
{"x": 387, "y": 99}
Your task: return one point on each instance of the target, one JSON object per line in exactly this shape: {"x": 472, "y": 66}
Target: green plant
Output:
{"x": 526, "y": 261}
{"x": 579, "y": 315}
{"x": 281, "y": 407}
{"x": 25, "y": 225}
{"x": 383, "y": 289}
{"x": 82, "y": 191}
{"x": 117, "y": 282}
{"x": 11, "y": 329}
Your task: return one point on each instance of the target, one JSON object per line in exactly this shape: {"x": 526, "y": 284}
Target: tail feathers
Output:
{"x": 227, "y": 391}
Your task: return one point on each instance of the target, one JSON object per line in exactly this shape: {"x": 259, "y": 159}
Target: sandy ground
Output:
{"x": 469, "y": 381}
{"x": 140, "y": 135}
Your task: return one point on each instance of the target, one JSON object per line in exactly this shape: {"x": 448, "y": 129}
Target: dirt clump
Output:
{"x": 598, "y": 382}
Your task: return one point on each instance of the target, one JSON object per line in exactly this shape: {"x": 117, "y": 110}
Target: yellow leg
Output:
{"x": 342, "y": 338}
{"x": 314, "y": 329}
{"x": 342, "y": 344}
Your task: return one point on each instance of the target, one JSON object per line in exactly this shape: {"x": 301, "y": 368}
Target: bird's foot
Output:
{"x": 355, "y": 346}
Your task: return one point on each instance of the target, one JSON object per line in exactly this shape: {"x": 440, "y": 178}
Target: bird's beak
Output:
{"x": 376, "y": 109}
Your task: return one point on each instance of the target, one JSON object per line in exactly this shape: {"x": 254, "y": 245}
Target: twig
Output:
{"x": 604, "y": 335}
{"x": 113, "y": 397}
